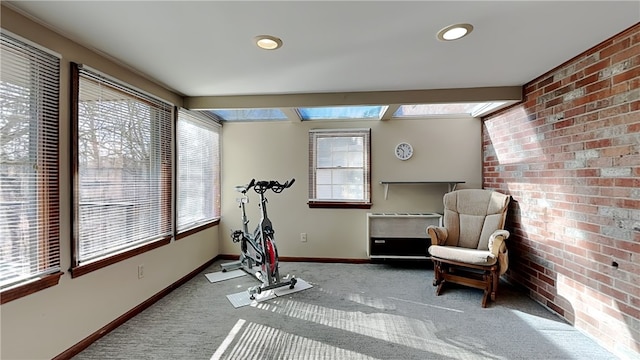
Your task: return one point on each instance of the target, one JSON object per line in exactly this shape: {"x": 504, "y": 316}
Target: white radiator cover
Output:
{"x": 399, "y": 235}
{"x": 401, "y": 225}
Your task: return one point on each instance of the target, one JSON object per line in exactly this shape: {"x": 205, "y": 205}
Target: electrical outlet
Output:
{"x": 303, "y": 237}
{"x": 140, "y": 271}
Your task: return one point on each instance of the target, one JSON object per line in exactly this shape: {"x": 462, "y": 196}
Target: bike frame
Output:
{"x": 265, "y": 235}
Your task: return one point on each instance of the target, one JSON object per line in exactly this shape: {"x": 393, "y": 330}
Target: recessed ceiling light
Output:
{"x": 455, "y": 32}
{"x": 268, "y": 42}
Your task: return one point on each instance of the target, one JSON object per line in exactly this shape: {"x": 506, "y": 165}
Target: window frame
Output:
{"x": 202, "y": 120}
{"x": 314, "y": 135}
{"x": 48, "y": 182}
{"x": 78, "y": 269}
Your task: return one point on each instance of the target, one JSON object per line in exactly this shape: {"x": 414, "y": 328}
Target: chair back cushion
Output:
{"x": 472, "y": 215}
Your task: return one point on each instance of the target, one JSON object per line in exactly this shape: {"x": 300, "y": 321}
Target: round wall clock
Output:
{"x": 404, "y": 151}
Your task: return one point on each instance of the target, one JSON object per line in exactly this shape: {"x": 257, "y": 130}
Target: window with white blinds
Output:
{"x": 29, "y": 208}
{"x": 198, "y": 175}
{"x": 122, "y": 188}
{"x": 339, "y": 167}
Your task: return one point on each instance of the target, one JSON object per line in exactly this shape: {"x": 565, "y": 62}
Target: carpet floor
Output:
{"x": 353, "y": 311}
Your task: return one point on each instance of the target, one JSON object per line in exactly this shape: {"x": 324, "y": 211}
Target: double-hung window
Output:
{"x": 339, "y": 168}
{"x": 29, "y": 197}
{"x": 198, "y": 172}
{"x": 123, "y": 170}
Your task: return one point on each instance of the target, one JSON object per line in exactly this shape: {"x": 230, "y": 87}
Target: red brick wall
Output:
{"x": 569, "y": 155}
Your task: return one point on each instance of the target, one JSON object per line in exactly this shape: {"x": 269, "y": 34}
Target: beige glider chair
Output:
{"x": 470, "y": 248}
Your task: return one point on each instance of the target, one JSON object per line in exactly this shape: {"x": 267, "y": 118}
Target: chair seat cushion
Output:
{"x": 470, "y": 256}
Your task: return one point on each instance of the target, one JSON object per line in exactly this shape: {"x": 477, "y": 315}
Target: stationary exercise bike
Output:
{"x": 259, "y": 254}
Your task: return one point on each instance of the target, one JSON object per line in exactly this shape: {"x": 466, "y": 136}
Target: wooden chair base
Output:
{"x": 475, "y": 276}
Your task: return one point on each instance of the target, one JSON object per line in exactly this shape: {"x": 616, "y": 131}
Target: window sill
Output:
{"x": 99, "y": 264}
{"x": 30, "y": 288}
{"x": 338, "y": 205}
{"x": 196, "y": 229}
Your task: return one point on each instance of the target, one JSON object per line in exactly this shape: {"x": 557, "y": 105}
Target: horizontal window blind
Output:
{"x": 198, "y": 175}
{"x": 29, "y": 208}
{"x": 122, "y": 196}
{"x": 339, "y": 165}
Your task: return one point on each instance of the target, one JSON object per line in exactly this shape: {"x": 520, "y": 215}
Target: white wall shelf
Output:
{"x": 452, "y": 184}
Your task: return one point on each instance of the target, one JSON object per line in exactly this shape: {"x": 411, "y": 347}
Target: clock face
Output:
{"x": 404, "y": 151}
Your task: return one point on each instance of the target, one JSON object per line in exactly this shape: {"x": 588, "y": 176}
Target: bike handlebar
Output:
{"x": 277, "y": 187}
{"x": 261, "y": 186}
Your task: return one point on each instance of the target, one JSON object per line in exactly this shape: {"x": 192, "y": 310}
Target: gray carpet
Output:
{"x": 353, "y": 311}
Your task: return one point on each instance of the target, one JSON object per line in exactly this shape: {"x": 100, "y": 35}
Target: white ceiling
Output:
{"x": 205, "y": 48}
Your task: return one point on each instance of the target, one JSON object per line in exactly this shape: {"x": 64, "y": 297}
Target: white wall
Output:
{"x": 444, "y": 149}
{"x": 45, "y": 324}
